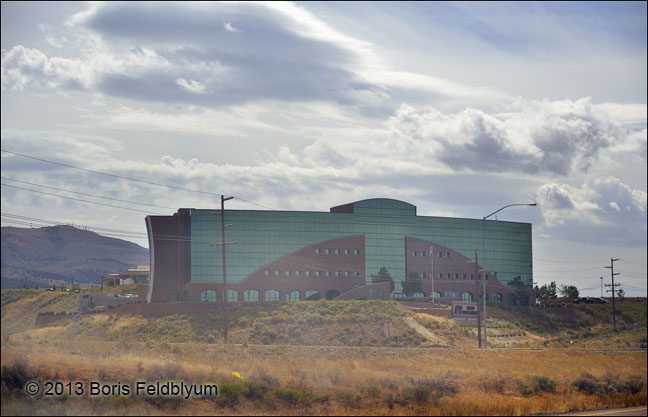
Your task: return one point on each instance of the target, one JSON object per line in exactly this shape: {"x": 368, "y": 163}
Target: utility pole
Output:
{"x": 432, "y": 269}
{"x": 601, "y": 287}
{"x": 223, "y": 243}
{"x": 613, "y": 285}
{"x": 476, "y": 295}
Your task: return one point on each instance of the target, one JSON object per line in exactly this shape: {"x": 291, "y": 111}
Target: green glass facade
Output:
{"x": 264, "y": 236}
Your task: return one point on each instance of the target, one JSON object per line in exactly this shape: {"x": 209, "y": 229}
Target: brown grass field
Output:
{"x": 312, "y": 380}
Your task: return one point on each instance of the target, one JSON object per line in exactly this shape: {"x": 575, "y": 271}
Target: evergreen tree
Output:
{"x": 569, "y": 292}
{"x": 412, "y": 284}
{"x": 383, "y": 275}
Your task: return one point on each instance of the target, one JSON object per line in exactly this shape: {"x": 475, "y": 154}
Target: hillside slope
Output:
{"x": 65, "y": 253}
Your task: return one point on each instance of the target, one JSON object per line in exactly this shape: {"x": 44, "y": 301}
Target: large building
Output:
{"x": 370, "y": 249}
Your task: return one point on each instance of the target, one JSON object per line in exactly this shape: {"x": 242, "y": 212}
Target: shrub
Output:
{"x": 632, "y": 385}
{"x": 422, "y": 393}
{"x": 299, "y": 396}
{"x": 587, "y": 384}
{"x": 15, "y": 375}
{"x": 352, "y": 399}
{"x": 230, "y": 393}
{"x": 537, "y": 384}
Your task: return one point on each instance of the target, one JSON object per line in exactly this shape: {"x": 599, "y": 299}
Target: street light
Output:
{"x": 484, "y": 256}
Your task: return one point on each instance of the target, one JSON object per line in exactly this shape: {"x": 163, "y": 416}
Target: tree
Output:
{"x": 412, "y": 284}
{"x": 569, "y": 292}
{"x": 54, "y": 287}
{"x": 621, "y": 294}
{"x": 517, "y": 283}
{"x": 546, "y": 292}
{"x": 383, "y": 275}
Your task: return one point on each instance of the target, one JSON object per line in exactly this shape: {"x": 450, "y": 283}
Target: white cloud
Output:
{"x": 191, "y": 85}
{"x": 592, "y": 211}
{"x": 228, "y": 27}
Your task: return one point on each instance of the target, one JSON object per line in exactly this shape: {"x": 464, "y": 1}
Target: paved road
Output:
{"x": 630, "y": 411}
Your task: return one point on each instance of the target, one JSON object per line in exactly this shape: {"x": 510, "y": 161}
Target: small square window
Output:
{"x": 422, "y": 274}
{"x": 356, "y": 252}
{"x": 317, "y": 251}
{"x": 346, "y": 273}
{"x": 413, "y": 253}
{"x": 448, "y": 276}
{"x": 423, "y": 253}
{"x": 308, "y": 273}
{"x": 328, "y": 273}
{"x": 297, "y": 273}
{"x": 472, "y": 276}
{"x": 447, "y": 254}
{"x": 277, "y": 273}
{"x": 337, "y": 273}
{"x": 317, "y": 273}
{"x": 327, "y": 251}
{"x": 357, "y": 273}
{"x": 440, "y": 276}
{"x": 346, "y": 251}
{"x": 463, "y": 276}
{"x": 267, "y": 273}
{"x": 337, "y": 251}
{"x": 456, "y": 276}
{"x": 440, "y": 254}
{"x": 287, "y": 273}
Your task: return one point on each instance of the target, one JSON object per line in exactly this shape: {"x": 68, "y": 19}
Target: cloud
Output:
{"x": 228, "y": 27}
{"x": 191, "y": 85}
{"x": 603, "y": 209}
{"x": 557, "y": 137}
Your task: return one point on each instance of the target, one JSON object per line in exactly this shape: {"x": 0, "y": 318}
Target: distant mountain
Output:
{"x": 65, "y": 253}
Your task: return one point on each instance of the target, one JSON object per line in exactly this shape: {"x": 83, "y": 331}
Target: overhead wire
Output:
{"x": 78, "y": 199}
{"x": 130, "y": 179}
{"x": 86, "y": 194}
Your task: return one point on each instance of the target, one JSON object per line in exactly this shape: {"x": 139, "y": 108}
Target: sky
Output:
{"x": 457, "y": 108}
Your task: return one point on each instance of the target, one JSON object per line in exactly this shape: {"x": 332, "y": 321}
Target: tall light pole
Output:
{"x": 484, "y": 257}
{"x": 601, "y": 287}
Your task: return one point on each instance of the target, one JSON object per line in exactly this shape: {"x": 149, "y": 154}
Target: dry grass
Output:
{"x": 356, "y": 380}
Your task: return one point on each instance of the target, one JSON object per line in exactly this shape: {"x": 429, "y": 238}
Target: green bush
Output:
{"x": 536, "y": 385}
{"x": 632, "y": 385}
{"x": 15, "y": 375}
{"x": 587, "y": 384}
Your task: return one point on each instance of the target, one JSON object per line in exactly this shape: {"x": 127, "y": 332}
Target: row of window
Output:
{"x": 327, "y": 251}
{"x": 211, "y": 296}
{"x": 449, "y": 275}
{"x": 466, "y": 296}
{"x": 439, "y": 254}
{"x": 298, "y": 273}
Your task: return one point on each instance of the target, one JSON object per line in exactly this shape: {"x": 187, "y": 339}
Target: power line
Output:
{"x": 128, "y": 178}
{"x": 573, "y": 270}
{"x": 86, "y": 194}
{"x": 77, "y": 199}
{"x": 567, "y": 262}
{"x": 45, "y": 221}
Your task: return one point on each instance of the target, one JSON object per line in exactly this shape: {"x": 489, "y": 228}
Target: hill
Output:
{"x": 323, "y": 358}
{"x": 65, "y": 253}
{"x": 333, "y": 323}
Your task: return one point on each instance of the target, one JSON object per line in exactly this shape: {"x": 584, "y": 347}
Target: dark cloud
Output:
{"x": 542, "y": 137}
